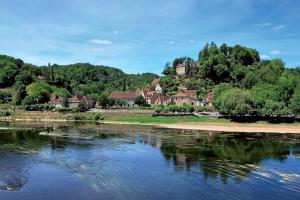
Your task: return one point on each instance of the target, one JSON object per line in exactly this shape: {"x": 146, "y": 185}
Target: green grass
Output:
{"x": 166, "y": 120}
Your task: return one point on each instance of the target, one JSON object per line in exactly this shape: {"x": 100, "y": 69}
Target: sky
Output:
{"x": 143, "y": 35}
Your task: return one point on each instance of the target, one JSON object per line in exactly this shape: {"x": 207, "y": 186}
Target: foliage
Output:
{"x": 5, "y": 97}
{"x": 158, "y": 109}
{"x": 39, "y": 107}
{"x": 237, "y": 102}
{"x": 140, "y": 101}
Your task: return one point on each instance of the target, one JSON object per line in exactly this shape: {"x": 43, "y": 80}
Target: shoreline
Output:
{"x": 230, "y": 127}
{"x": 226, "y": 128}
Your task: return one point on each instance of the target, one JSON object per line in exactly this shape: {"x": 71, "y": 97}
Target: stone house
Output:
{"x": 187, "y": 68}
{"x": 56, "y": 101}
{"x": 74, "y": 101}
{"x": 127, "y": 97}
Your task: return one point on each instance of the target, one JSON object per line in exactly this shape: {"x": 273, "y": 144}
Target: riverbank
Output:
{"x": 144, "y": 118}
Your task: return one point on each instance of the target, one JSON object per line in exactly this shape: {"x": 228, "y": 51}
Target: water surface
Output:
{"x": 87, "y": 161}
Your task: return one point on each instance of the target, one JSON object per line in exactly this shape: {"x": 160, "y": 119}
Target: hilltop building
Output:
{"x": 187, "y": 68}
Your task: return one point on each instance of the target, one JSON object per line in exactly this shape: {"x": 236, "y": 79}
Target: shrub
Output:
{"x": 5, "y": 97}
{"x": 158, "y": 109}
{"x": 98, "y": 117}
{"x": 4, "y": 114}
{"x": 64, "y": 110}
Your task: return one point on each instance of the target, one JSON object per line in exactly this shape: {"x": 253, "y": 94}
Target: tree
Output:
{"x": 237, "y": 102}
{"x": 158, "y": 109}
{"x": 5, "y": 97}
{"x": 218, "y": 92}
{"x": 61, "y": 92}
{"x": 140, "y": 101}
{"x": 275, "y": 109}
{"x": 103, "y": 100}
{"x": 40, "y": 91}
{"x": 295, "y": 102}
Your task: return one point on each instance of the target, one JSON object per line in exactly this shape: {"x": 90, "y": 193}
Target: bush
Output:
{"x": 5, "y": 97}
{"x": 64, "y": 110}
{"x": 158, "y": 109}
{"x": 39, "y": 107}
{"x": 4, "y": 114}
{"x": 98, "y": 117}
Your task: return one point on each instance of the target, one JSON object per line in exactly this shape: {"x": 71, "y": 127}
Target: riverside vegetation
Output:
{"x": 242, "y": 83}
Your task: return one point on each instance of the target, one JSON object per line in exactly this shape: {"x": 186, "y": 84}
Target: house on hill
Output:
{"x": 75, "y": 100}
{"x": 127, "y": 97}
{"x": 187, "y": 68}
{"x": 56, "y": 101}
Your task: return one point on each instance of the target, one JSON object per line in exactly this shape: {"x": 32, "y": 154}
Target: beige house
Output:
{"x": 127, "y": 97}
{"x": 188, "y": 97}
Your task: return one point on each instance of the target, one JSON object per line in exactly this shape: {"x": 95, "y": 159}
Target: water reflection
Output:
{"x": 116, "y": 159}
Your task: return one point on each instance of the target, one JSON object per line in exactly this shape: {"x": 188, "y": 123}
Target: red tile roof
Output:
{"x": 123, "y": 95}
{"x": 79, "y": 98}
{"x": 181, "y": 94}
{"x": 55, "y": 100}
{"x": 191, "y": 93}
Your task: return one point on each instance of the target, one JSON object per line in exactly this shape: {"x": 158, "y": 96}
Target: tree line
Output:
{"x": 242, "y": 83}
{"x": 31, "y": 84}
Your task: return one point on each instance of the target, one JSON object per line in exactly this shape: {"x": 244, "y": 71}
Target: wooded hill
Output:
{"x": 241, "y": 82}
{"x": 78, "y": 79}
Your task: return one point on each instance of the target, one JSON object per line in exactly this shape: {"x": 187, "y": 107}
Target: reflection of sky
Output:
{"x": 134, "y": 167}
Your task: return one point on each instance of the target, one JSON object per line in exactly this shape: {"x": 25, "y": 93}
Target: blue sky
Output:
{"x": 142, "y": 35}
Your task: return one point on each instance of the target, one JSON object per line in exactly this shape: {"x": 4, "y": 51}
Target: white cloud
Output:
{"x": 115, "y": 32}
{"x": 275, "y": 52}
{"x": 171, "y": 42}
{"x": 278, "y": 27}
{"x": 100, "y": 42}
{"x": 192, "y": 41}
{"x": 264, "y": 56}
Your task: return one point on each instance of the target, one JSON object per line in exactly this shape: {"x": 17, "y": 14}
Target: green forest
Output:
{"x": 29, "y": 84}
{"x": 242, "y": 83}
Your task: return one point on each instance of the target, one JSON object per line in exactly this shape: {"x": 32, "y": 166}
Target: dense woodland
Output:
{"x": 242, "y": 83}
{"x": 30, "y": 84}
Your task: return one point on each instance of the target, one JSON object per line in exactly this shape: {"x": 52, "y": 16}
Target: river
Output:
{"x": 93, "y": 161}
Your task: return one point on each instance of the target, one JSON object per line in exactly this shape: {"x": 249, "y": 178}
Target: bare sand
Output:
{"x": 230, "y": 127}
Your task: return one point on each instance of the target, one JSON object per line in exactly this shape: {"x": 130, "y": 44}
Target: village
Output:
{"x": 154, "y": 95}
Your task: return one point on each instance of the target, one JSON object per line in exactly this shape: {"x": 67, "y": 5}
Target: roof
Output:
{"x": 181, "y": 94}
{"x": 191, "y": 93}
{"x": 55, "y": 100}
{"x": 79, "y": 98}
{"x": 162, "y": 98}
{"x": 123, "y": 95}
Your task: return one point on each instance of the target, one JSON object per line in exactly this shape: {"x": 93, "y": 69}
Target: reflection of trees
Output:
{"x": 222, "y": 156}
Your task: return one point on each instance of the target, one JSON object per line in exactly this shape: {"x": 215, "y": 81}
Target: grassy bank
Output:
{"x": 166, "y": 119}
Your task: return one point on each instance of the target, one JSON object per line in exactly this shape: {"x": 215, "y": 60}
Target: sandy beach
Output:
{"x": 231, "y": 127}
